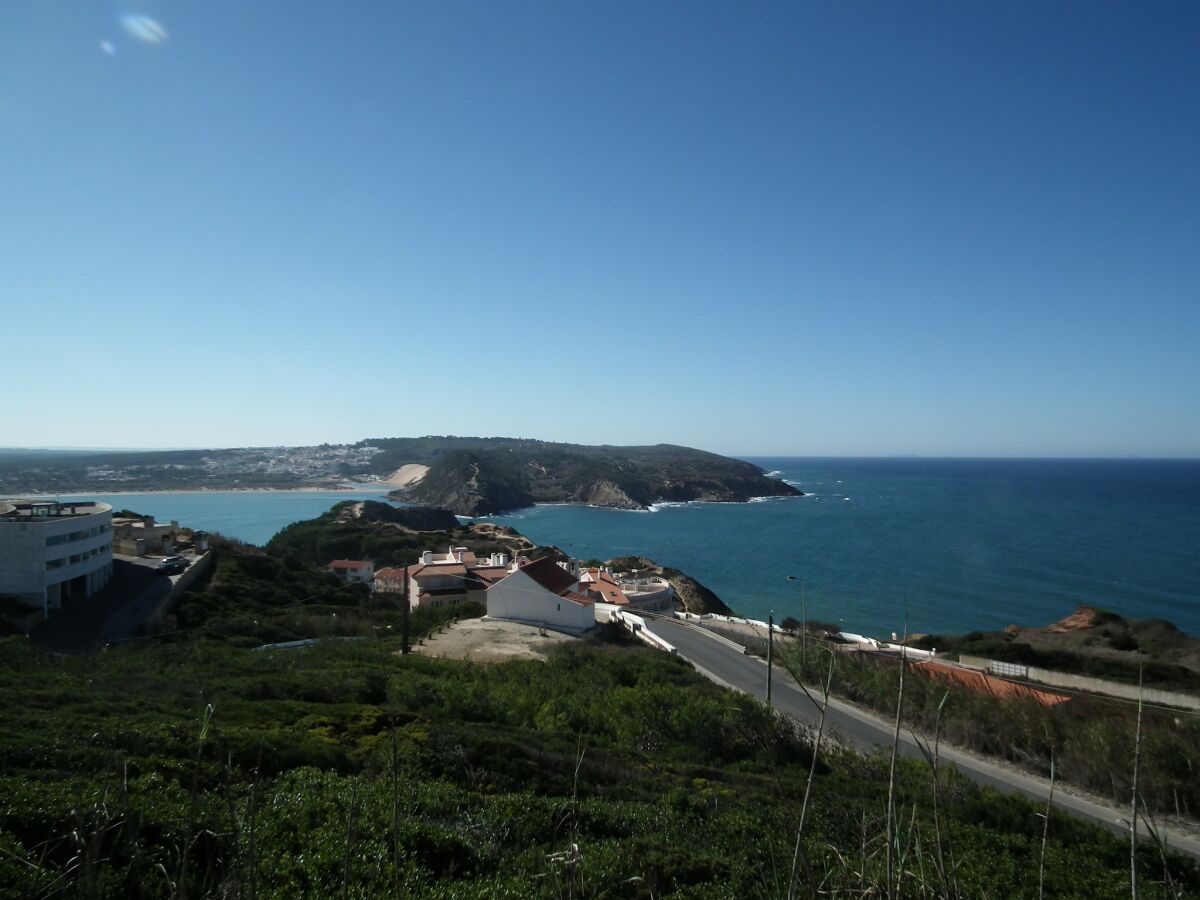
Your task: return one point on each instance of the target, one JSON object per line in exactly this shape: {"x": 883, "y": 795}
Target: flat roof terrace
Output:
{"x": 26, "y": 510}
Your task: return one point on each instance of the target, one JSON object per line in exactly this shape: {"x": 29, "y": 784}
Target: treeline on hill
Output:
{"x": 1090, "y": 739}
{"x": 381, "y": 535}
{"x": 343, "y": 769}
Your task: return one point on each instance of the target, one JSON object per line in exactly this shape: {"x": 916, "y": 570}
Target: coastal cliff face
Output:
{"x": 508, "y": 474}
{"x": 693, "y": 596}
{"x": 605, "y": 493}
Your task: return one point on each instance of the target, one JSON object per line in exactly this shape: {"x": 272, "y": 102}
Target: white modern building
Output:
{"x": 543, "y": 593}
{"x": 52, "y": 554}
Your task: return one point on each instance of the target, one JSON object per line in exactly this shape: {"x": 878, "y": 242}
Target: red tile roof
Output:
{"x": 550, "y": 575}
{"x": 419, "y": 572}
{"x": 349, "y": 564}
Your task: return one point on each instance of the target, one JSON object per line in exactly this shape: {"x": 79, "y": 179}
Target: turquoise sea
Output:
{"x": 252, "y": 516}
{"x": 958, "y": 544}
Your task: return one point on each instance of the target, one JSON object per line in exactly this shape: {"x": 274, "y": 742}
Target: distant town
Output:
{"x": 324, "y": 465}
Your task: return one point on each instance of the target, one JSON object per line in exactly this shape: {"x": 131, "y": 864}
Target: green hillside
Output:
{"x": 190, "y": 764}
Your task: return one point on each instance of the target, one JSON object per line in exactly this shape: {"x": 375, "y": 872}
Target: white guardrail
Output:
{"x": 716, "y": 617}
{"x": 637, "y": 627}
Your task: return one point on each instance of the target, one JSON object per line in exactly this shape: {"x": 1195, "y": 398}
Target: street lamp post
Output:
{"x": 803, "y": 617}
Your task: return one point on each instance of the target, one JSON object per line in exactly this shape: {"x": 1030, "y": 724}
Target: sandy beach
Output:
{"x": 380, "y": 486}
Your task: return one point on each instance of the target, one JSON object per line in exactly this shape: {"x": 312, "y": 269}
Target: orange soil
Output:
{"x": 985, "y": 684}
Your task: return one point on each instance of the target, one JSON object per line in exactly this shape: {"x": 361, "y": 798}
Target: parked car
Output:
{"x": 171, "y": 565}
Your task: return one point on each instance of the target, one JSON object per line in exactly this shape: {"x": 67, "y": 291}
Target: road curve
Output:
{"x": 865, "y": 731}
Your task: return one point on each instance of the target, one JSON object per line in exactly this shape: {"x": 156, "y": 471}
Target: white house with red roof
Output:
{"x": 543, "y": 593}
{"x": 353, "y": 571}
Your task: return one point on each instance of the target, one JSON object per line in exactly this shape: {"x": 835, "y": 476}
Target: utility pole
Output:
{"x": 770, "y": 647}
{"x": 404, "y": 614}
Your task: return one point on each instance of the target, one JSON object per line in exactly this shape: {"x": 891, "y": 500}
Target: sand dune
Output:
{"x": 407, "y": 476}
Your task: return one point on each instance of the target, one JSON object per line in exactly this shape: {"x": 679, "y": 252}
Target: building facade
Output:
{"x": 52, "y": 554}
{"x": 141, "y": 535}
{"x": 444, "y": 579}
{"x": 543, "y": 593}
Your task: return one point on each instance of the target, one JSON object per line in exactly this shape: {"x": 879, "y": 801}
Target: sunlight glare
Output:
{"x": 143, "y": 28}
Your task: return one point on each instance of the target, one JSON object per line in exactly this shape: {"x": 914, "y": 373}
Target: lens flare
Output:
{"x": 107, "y": 48}
{"x": 143, "y": 28}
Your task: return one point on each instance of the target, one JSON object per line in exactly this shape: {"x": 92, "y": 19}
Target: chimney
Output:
{"x": 426, "y": 557}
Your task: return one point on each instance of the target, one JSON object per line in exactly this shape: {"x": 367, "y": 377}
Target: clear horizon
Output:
{"x": 845, "y": 229}
{"x": 730, "y": 453}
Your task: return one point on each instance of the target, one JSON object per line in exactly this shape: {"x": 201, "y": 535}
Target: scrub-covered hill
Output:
{"x": 480, "y": 476}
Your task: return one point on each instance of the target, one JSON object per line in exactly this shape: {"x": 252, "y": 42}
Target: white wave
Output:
{"x": 773, "y": 473}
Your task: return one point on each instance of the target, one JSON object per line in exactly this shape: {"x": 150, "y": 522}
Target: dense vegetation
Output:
{"x": 189, "y": 765}
{"x": 201, "y": 769}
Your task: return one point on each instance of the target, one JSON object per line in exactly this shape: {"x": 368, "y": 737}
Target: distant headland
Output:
{"x": 472, "y": 476}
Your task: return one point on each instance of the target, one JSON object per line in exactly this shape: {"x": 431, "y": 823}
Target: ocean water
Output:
{"x": 252, "y": 516}
{"x": 956, "y": 544}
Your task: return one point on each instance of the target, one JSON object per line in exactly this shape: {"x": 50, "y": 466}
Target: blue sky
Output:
{"x": 835, "y": 228}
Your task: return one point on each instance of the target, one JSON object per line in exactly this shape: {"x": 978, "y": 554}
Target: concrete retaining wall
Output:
{"x": 1081, "y": 682}
{"x": 637, "y": 627}
{"x": 190, "y": 575}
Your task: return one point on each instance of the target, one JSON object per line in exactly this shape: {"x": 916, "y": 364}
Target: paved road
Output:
{"x": 865, "y": 731}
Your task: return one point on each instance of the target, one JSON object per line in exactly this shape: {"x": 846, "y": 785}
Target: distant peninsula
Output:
{"x": 476, "y": 477}
{"x": 470, "y": 476}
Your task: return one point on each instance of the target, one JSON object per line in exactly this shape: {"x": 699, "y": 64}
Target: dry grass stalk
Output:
{"x": 812, "y": 768}
{"x": 1137, "y": 753}
{"x": 891, "y": 799}
{"x": 1046, "y": 831}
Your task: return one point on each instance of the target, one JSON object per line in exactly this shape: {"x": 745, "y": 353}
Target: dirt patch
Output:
{"x": 1083, "y": 617}
{"x": 491, "y": 640}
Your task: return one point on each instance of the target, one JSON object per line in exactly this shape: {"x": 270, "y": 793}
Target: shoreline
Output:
{"x": 254, "y": 490}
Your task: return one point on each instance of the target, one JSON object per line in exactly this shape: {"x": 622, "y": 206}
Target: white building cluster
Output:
{"x": 556, "y": 595}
